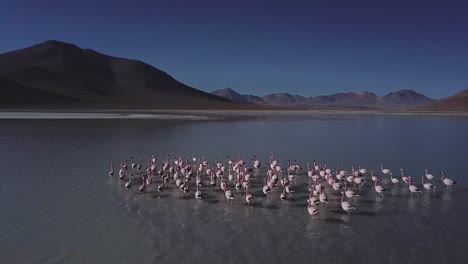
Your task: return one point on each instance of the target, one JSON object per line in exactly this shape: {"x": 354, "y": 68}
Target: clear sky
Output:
{"x": 303, "y": 47}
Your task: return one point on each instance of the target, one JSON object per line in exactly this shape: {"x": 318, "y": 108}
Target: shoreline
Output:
{"x": 195, "y": 114}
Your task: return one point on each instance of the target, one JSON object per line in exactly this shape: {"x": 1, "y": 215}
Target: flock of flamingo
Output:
{"x": 239, "y": 175}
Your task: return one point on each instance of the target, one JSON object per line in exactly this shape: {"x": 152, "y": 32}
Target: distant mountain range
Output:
{"x": 59, "y": 75}
{"x": 402, "y": 99}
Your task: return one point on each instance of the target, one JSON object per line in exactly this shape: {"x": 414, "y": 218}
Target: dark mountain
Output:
{"x": 234, "y": 96}
{"x": 343, "y": 100}
{"x": 353, "y": 100}
{"x": 457, "y": 102}
{"x": 403, "y": 99}
{"x": 283, "y": 99}
{"x": 55, "y": 74}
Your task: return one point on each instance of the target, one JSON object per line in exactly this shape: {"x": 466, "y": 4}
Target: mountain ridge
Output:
{"x": 400, "y": 99}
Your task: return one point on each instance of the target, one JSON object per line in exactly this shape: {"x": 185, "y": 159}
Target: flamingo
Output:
{"x": 256, "y": 163}
{"x": 427, "y": 185}
{"x": 413, "y": 188}
{"x": 149, "y": 180}
{"x": 373, "y": 177}
{"x": 266, "y": 187}
{"x": 378, "y": 188}
{"x": 162, "y": 185}
{"x": 404, "y": 178}
{"x": 133, "y": 163}
{"x": 283, "y": 194}
{"x": 394, "y": 180}
{"x": 312, "y": 199}
{"x": 248, "y": 196}
{"x": 198, "y": 194}
{"x": 323, "y": 198}
{"x": 122, "y": 172}
{"x": 143, "y": 185}
{"x": 385, "y": 171}
{"x": 129, "y": 183}
{"x": 447, "y": 181}
{"x": 336, "y": 185}
{"x": 350, "y": 193}
{"x": 228, "y": 194}
{"x": 429, "y": 176}
{"x": 362, "y": 170}
{"x": 186, "y": 187}
{"x": 310, "y": 171}
{"x": 345, "y": 205}
{"x": 139, "y": 164}
{"x": 111, "y": 172}
{"x": 359, "y": 181}
{"x": 312, "y": 210}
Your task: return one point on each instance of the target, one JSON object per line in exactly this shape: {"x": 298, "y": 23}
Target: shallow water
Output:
{"x": 59, "y": 205}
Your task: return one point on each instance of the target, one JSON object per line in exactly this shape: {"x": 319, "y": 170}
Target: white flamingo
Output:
{"x": 385, "y": 171}
{"x": 345, "y": 205}
{"x": 122, "y": 172}
{"x": 228, "y": 194}
{"x": 447, "y": 181}
{"x": 311, "y": 209}
{"x": 427, "y": 185}
{"x": 129, "y": 183}
{"x": 162, "y": 185}
{"x": 350, "y": 193}
{"x": 323, "y": 198}
{"x": 394, "y": 180}
{"x": 404, "y": 178}
{"x": 362, "y": 170}
{"x": 248, "y": 196}
{"x": 283, "y": 194}
{"x": 111, "y": 172}
{"x": 413, "y": 188}
{"x": 313, "y": 200}
{"x": 374, "y": 177}
{"x": 143, "y": 185}
{"x": 378, "y": 188}
{"x": 429, "y": 176}
{"x": 198, "y": 194}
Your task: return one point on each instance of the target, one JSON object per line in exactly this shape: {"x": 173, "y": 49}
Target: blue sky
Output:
{"x": 300, "y": 47}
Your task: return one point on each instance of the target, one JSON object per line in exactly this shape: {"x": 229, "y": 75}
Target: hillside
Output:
{"x": 457, "y": 102}
{"x": 55, "y": 74}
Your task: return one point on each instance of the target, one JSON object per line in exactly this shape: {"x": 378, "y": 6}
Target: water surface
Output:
{"x": 59, "y": 205}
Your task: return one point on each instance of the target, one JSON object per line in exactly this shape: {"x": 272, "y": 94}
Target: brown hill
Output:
{"x": 457, "y": 102}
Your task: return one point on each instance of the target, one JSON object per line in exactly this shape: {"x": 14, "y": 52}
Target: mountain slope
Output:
{"x": 235, "y": 96}
{"x": 403, "y": 99}
{"x": 59, "y": 74}
{"x": 457, "y": 102}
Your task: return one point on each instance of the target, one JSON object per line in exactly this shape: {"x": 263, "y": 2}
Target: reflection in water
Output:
{"x": 412, "y": 201}
{"x": 447, "y": 200}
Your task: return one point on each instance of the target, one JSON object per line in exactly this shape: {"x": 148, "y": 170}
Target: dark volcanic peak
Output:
{"x": 403, "y": 99}
{"x": 230, "y": 94}
{"x": 60, "y": 74}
